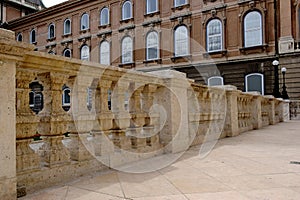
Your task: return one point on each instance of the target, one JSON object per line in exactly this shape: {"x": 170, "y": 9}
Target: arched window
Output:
{"x": 215, "y": 80}
{"x": 32, "y": 36}
{"x": 152, "y": 45}
{"x": 67, "y": 27}
{"x": 104, "y": 16}
{"x": 51, "y": 31}
{"x": 19, "y": 37}
{"x": 66, "y": 96}
{"x": 105, "y": 53}
{"x": 89, "y": 98}
{"x": 181, "y": 41}
{"x": 126, "y": 10}
{"x": 85, "y": 53}
{"x": 253, "y": 35}
{"x": 67, "y": 53}
{"x": 84, "y": 22}
{"x": 214, "y": 35}
{"x": 152, "y": 6}
{"x": 127, "y": 50}
{"x": 179, "y": 2}
{"x": 255, "y": 82}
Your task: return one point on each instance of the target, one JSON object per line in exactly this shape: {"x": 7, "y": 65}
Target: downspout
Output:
{"x": 276, "y": 30}
{"x": 1, "y": 13}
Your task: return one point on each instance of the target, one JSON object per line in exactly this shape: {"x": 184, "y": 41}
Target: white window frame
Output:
{"x": 64, "y": 53}
{"x": 180, "y": 40}
{"x": 212, "y": 37}
{"x": 124, "y": 14}
{"x": 82, "y": 55}
{"x": 102, "y": 22}
{"x": 262, "y": 82}
{"x": 215, "y": 77}
{"x": 30, "y": 37}
{"x": 149, "y": 46}
{"x": 148, "y": 11}
{"x": 104, "y": 53}
{"x": 127, "y": 50}
{"x": 82, "y": 22}
{"x": 20, "y": 35}
{"x": 178, "y": 3}
{"x": 250, "y": 32}
{"x": 65, "y": 27}
{"x": 49, "y": 31}
{"x": 64, "y": 103}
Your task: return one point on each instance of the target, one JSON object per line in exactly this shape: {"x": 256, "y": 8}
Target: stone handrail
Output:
{"x": 114, "y": 116}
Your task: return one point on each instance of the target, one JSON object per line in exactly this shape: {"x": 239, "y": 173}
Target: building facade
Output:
{"x": 214, "y": 41}
{"x": 14, "y": 9}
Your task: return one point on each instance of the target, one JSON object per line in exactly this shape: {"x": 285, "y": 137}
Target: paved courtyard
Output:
{"x": 260, "y": 164}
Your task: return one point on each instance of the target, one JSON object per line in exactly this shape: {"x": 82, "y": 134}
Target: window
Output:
{"x": 51, "y": 31}
{"x": 84, "y": 22}
{"x": 66, "y": 97}
{"x": 67, "y": 27}
{"x": 51, "y": 52}
{"x": 215, "y": 80}
{"x": 126, "y": 50}
{"x": 32, "y": 36}
{"x": 20, "y": 37}
{"x": 181, "y": 45}
{"x": 105, "y": 53}
{"x": 255, "y": 82}
{"x": 67, "y": 53}
{"x": 253, "y": 29}
{"x": 104, "y": 17}
{"x": 214, "y": 35}
{"x": 152, "y": 46}
{"x": 85, "y": 53}
{"x": 36, "y": 99}
{"x": 151, "y": 6}
{"x": 89, "y": 98}
{"x": 179, "y": 2}
{"x": 127, "y": 10}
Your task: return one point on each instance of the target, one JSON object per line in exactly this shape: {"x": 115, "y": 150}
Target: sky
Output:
{"x": 49, "y": 3}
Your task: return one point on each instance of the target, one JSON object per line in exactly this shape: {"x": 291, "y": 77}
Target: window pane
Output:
{"x": 51, "y": 31}
{"x": 214, "y": 35}
{"x": 253, "y": 29}
{"x": 67, "y": 27}
{"x": 254, "y": 82}
{"x": 151, "y": 6}
{"x": 180, "y": 2}
{"x": 32, "y": 36}
{"x": 104, "y": 16}
{"x": 152, "y": 45}
{"x": 213, "y": 81}
{"x": 67, "y": 53}
{"x": 85, "y": 53}
{"x": 181, "y": 41}
{"x": 127, "y": 50}
{"x": 105, "y": 53}
{"x": 84, "y": 22}
{"x": 126, "y": 10}
{"x": 19, "y": 37}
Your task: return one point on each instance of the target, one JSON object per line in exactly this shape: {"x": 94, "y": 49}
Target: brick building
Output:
{"x": 13, "y": 9}
{"x": 213, "y": 41}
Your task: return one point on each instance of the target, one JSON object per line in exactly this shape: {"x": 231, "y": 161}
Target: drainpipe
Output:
{"x": 1, "y": 13}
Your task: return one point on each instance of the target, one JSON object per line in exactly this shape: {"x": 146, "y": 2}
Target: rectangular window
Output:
{"x": 152, "y": 6}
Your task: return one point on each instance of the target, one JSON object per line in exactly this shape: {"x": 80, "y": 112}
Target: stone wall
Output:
{"x": 111, "y": 118}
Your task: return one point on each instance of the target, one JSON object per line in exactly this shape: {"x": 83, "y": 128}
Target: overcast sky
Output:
{"x": 49, "y": 3}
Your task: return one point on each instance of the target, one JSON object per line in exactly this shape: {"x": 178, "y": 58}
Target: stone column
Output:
{"x": 173, "y": 99}
{"x": 232, "y": 121}
{"x": 257, "y": 112}
{"x": 286, "y": 40}
{"x": 7, "y": 129}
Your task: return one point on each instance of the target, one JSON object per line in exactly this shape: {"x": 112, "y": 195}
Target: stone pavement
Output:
{"x": 254, "y": 165}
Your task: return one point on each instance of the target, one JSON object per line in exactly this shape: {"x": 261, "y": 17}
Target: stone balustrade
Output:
{"x": 73, "y": 117}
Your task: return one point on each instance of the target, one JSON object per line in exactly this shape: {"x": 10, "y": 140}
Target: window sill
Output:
{"x": 66, "y": 35}
{"x": 181, "y": 58}
{"x": 127, "y": 28}
{"x": 84, "y": 31}
{"x": 152, "y": 14}
{"x": 34, "y": 43}
{"x": 155, "y": 61}
{"x": 126, "y": 20}
{"x": 104, "y": 26}
{"x": 51, "y": 39}
{"x": 180, "y": 7}
{"x": 221, "y": 52}
{"x": 127, "y": 65}
{"x": 259, "y": 47}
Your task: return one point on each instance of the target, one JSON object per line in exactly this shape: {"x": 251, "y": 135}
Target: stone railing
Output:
{"x": 294, "y": 109}
{"x": 73, "y": 118}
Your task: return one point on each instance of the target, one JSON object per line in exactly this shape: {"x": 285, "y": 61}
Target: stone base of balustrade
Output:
{"x": 78, "y": 147}
{"x": 47, "y": 177}
{"x": 8, "y": 188}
